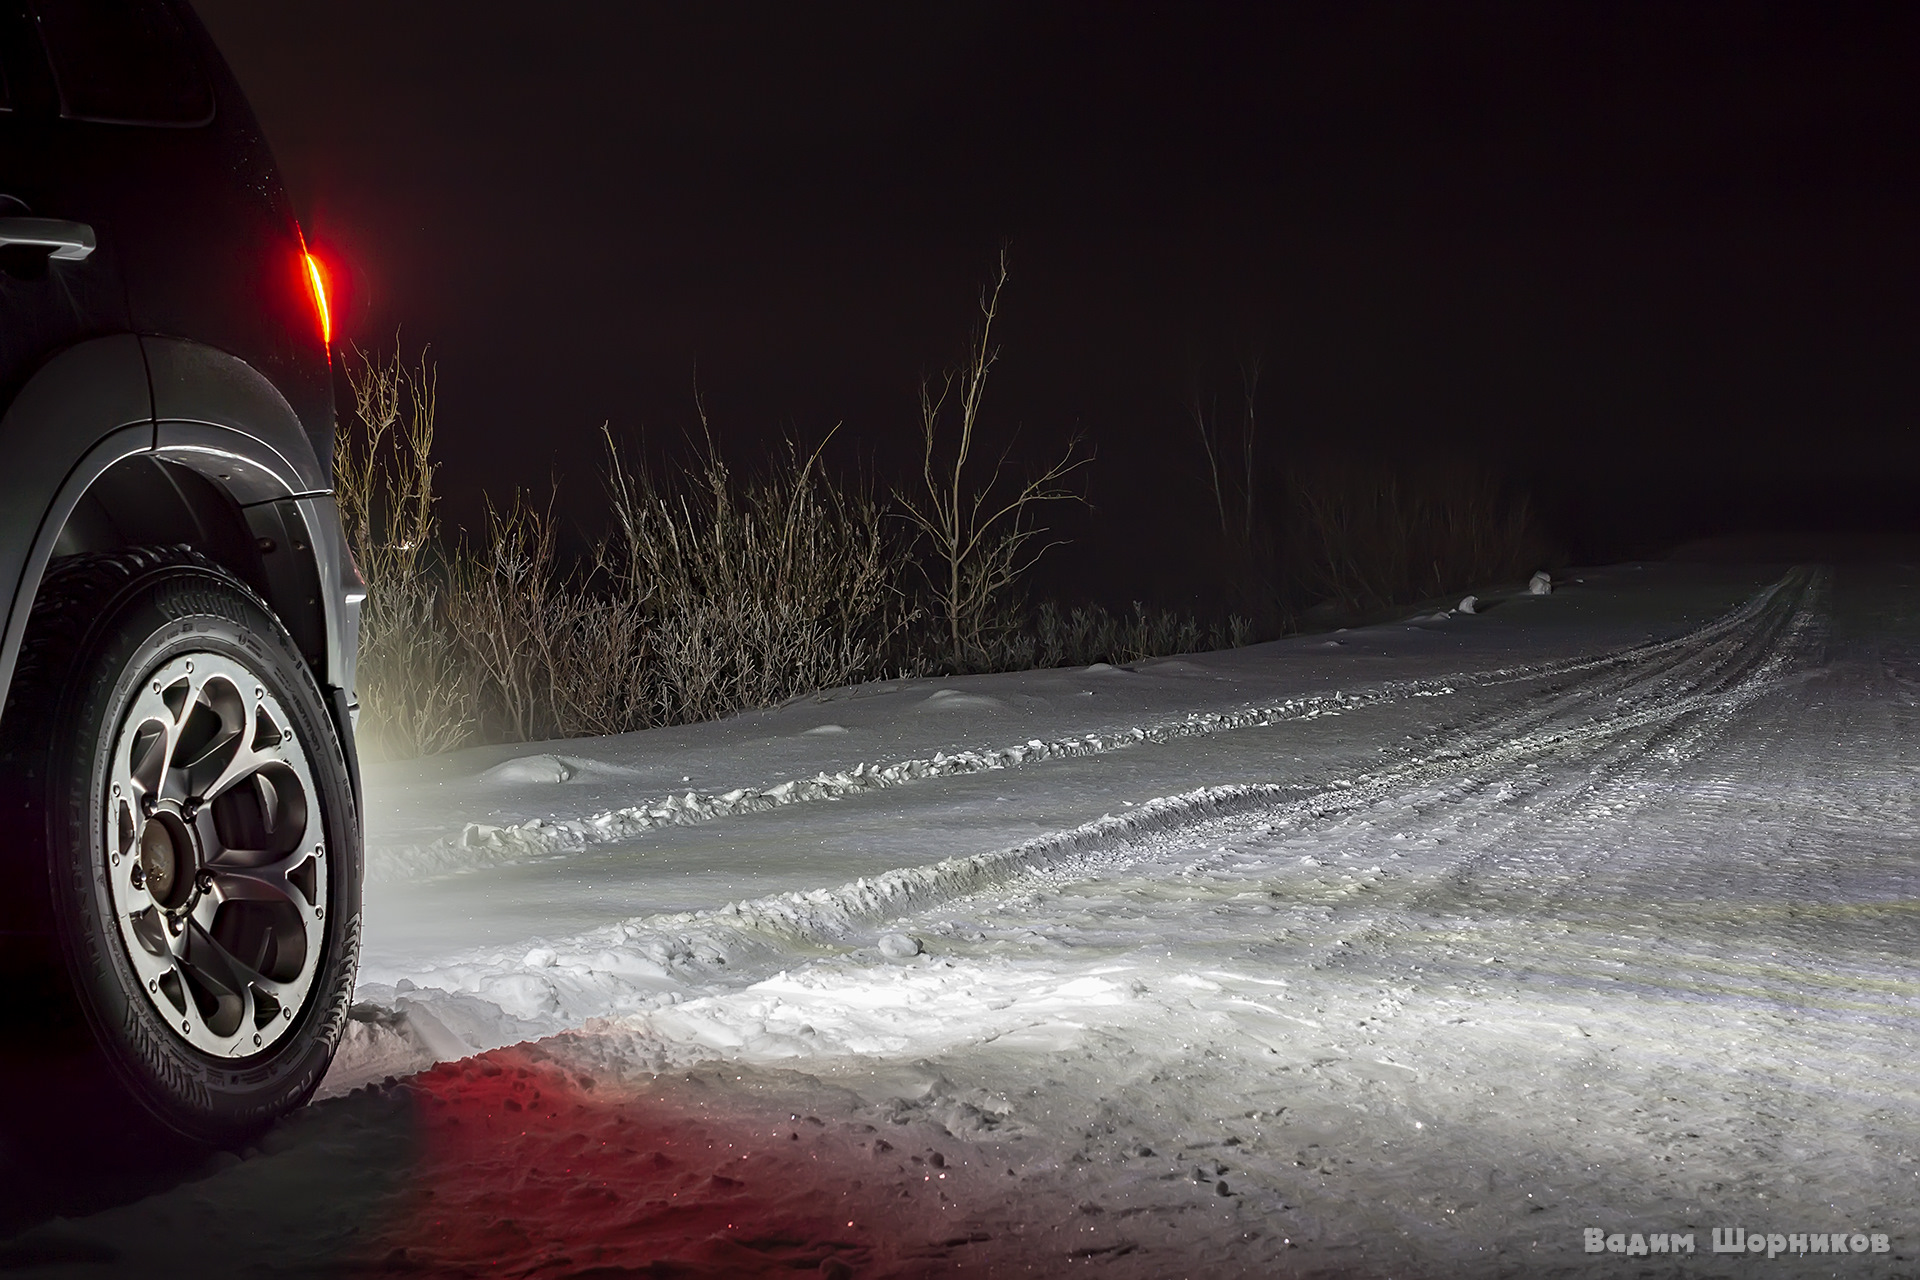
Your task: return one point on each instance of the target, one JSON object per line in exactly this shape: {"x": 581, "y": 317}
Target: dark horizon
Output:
{"x": 1657, "y": 266}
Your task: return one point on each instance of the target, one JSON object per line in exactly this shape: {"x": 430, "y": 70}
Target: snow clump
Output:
{"x": 540, "y": 768}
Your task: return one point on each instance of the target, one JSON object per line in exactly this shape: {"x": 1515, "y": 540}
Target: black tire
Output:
{"x": 208, "y": 941}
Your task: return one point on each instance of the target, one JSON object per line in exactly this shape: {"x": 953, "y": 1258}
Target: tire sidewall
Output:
{"x": 153, "y": 619}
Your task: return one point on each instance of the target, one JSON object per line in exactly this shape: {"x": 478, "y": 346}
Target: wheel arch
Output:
{"x": 159, "y": 440}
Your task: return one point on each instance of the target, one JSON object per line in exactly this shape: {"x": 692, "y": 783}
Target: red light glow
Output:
{"x": 521, "y": 1166}
{"x": 317, "y": 281}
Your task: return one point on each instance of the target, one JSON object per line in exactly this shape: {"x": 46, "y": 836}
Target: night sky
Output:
{"x": 1660, "y": 263}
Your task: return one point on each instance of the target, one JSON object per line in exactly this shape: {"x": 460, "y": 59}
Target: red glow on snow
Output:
{"x": 522, "y": 1168}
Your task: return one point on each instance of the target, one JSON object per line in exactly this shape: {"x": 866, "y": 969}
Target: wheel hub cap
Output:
{"x": 168, "y": 859}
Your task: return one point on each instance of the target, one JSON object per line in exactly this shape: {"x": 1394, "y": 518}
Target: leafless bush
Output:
{"x": 413, "y": 698}
{"x": 551, "y": 654}
{"x": 755, "y": 591}
{"x": 982, "y": 533}
{"x": 715, "y": 592}
{"x": 603, "y": 666}
{"x": 1370, "y": 538}
{"x": 1085, "y": 634}
{"x": 507, "y": 608}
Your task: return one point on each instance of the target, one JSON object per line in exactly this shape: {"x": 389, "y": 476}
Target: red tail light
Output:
{"x": 316, "y": 274}
{"x": 317, "y": 280}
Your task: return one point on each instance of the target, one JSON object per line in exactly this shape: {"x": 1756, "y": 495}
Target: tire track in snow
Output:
{"x": 1626, "y": 771}
{"x": 1640, "y": 695}
{"x": 482, "y": 846}
{"x": 1718, "y": 891}
{"x": 1632, "y": 770}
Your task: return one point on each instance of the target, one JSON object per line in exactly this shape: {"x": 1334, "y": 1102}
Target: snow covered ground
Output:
{"x": 1417, "y": 949}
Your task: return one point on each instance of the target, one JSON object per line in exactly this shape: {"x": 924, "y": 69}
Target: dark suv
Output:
{"x": 181, "y": 838}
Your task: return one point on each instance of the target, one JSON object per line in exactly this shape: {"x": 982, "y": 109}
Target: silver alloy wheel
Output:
{"x": 216, "y": 854}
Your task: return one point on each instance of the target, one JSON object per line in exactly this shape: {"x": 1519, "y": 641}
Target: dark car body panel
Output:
{"x": 174, "y": 385}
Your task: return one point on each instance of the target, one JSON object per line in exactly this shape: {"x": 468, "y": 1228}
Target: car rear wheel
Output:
{"x": 202, "y": 851}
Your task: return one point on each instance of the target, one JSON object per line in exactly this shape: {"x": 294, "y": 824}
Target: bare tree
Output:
{"x": 982, "y": 533}
{"x": 1233, "y": 494}
{"x": 1246, "y": 534}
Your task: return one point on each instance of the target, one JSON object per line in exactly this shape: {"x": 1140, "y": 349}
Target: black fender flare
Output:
{"x": 84, "y": 410}
{"x": 217, "y": 415}
{"x": 103, "y": 401}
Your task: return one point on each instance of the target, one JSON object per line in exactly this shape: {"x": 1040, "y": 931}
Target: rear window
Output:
{"x": 124, "y": 62}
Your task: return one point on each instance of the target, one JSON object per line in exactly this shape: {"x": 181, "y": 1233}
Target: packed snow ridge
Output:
{"x": 497, "y": 845}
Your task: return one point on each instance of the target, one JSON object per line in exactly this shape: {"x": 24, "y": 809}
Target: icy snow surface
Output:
{"x": 1414, "y": 953}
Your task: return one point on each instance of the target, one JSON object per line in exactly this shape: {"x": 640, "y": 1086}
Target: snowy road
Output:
{"x": 1415, "y": 951}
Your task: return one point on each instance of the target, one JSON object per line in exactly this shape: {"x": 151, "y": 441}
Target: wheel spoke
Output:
{"x": 247, "y": 759}
{"x": 221, "y": 975}
{"x": 148, "y": 774}
{"x": 150, "y": 929}
{"x": 173, "y": 783}
{"x": 269, "y": 883}
{"x": 205, "y": 908}
{"x": 221, "y": 857}
{"x": 223, "y": 763}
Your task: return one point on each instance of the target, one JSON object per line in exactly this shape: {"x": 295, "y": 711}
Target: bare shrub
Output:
{"x": 602, "y": 666}
{"x": 506, "y": 606}
{"x": 752, "y": 592}
{"x": 982, "y": 533}
{"x": 1369, "y": 537}
{"x": 413, "y": 699}
{"x": 551, "y": 655}
{"x": 715, "y": 592}
{"x": 1087, "y": 634}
